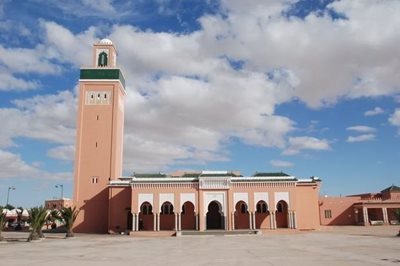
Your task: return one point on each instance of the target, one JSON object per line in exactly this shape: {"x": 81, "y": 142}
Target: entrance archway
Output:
{"x": 167, "y": 216}
{"x": 242, "y": 216}
{"x": 262, "y": 213}
{"x": 146, "y": 217}
{"x": 188, "y": 218}
{"x": 282, "y": 214}
{"x": 214, "y": 216}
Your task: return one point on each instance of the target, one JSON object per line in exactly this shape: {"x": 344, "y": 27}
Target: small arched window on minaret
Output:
{"x": 102, "y": 60}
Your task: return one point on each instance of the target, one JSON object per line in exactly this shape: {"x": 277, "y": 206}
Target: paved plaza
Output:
{"x": 329, "y": 246}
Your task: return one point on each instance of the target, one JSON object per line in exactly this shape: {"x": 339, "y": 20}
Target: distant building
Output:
{"x": 180, "y": 201}
{"x": 362, "y": 209}
{"x": 58, "y": 203}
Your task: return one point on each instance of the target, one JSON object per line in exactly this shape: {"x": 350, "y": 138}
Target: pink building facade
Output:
{"x": 213, "y": 200}
{"x": 58, "y": 203}
{"x": 363, "y": 209}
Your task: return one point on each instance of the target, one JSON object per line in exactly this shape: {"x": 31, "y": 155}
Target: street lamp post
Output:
{"x": 62, "y": 189}
{"x": 8, "y": 193}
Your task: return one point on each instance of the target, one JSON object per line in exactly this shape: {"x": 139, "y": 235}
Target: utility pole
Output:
{"x": 62, "y": 189}
{"x": 8, "y": 193}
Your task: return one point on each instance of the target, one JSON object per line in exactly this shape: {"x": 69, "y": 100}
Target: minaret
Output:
{"x": 99, "y": 140}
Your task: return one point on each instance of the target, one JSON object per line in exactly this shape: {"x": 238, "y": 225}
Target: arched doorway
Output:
{"x": 167, "y": 216}
{"x": 146, "y": 217}
{"x": 188, "y": 218}
{"x": 282, "y": 214}
{"x": 242, "y": 216}
{"x": 262, "y": 214}
{"x": 214, "y": 216}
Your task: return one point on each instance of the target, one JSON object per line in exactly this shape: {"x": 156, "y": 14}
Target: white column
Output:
{"x": 274, "y": 220}
{"x": 365, "y": 216}
{"x": 137, "y": 222}
{"x": 250, "y": 221}
{"x": 179, "y": 222}
{"x": 133, "y": 222}
{"x": 254, "y": 220}
{"x": 385, "y": 216}
{"x": 289, "y": 218}
{"x": 271, "y": 222}
{"x": 155, "y": 218}
{"x": 233, "y": 220}
{"x": 294, "y": 220}
{"x": 197, "y": 221}
{"x": 226, "y": 221}
{"x": 176, "y": 221}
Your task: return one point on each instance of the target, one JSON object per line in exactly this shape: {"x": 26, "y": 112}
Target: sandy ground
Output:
{"x": 345, "y": 245}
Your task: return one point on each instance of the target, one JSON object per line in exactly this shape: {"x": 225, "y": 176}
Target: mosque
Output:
{"x": 180, "y": 201}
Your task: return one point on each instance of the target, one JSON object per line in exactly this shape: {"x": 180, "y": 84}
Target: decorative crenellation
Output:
{"x": 165, "y": 185}
{"x": 214, "y": 182}
{"x": 262, "y": 184}
{"x": 98, "y": 97}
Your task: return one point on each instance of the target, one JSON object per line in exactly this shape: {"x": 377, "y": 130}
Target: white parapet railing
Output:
{"x": 214, "y": 182}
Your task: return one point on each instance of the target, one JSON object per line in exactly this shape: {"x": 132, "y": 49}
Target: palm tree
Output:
{"x": 69, "y": 216}
{"x": 37, "y": 218}
{"x": 3, "y": 222}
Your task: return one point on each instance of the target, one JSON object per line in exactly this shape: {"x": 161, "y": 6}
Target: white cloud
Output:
{"x": 185, "y": 101}
{"x": 297, "y": 144}
{"x": 103, "y": 6}
{"x": 49, "y": 117}
{"x": 314, "y": 48}
{"x": 394, "y": 118}
{"x": 65, "y": 152}
{"x": 279, "y": 163}
{"x": 362, "y": 129}
{"x": 13, "y": 166}
{"x": 65, "y": 47}
{"x": 9, "y": 82}
{"x": 375, "y": 111}
{"x": 361, "y": 138}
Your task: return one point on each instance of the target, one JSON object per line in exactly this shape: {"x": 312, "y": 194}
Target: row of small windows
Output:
{"x": 98, "y": 97}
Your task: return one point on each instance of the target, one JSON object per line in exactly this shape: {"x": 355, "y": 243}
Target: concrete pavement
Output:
{"x": 329, "y": 246}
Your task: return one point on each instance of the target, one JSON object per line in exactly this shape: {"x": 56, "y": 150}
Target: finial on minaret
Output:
{"x": 104, "y": 54}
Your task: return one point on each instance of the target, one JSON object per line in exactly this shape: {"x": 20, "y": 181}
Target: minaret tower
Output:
{"x": 99, "y": 140}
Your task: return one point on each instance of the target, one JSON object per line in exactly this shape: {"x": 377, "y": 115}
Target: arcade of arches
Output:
{"x": 213, "y": 203}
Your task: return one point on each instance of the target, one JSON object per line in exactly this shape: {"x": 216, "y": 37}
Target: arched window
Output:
{"x": 102, "y": 60}
{"x": 243, "y": 208}
{"x": 281, "y": 206}
{"x": 167, "y": 208}
{"x": 146, "y": 208}
{"x": 262, "y": 207}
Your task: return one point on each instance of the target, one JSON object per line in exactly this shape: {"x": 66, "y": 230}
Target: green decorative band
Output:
{"x": 98, "y": 73}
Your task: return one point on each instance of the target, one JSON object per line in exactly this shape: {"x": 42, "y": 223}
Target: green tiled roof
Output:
{"x": 270, "y": 174}
{"x": 103, "y": 73}
{"x": 227, "y": 174}
{"x": 148, "y": 175}
{"x": 191, "y": 175}
{"x": 392, "y": 188}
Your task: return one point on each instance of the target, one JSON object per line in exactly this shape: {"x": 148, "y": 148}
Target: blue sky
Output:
{"x": 310, "y": 88}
